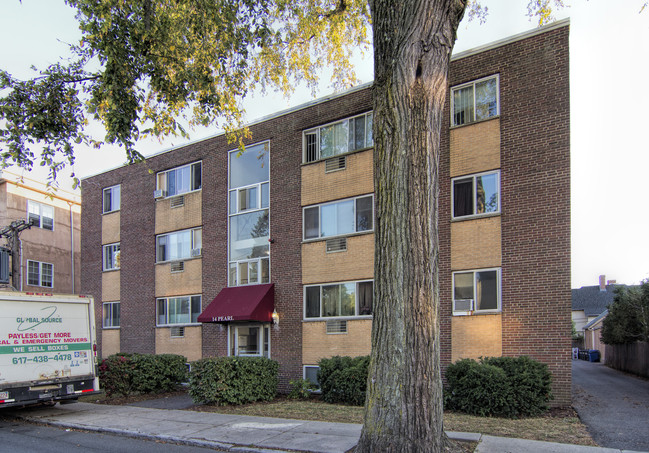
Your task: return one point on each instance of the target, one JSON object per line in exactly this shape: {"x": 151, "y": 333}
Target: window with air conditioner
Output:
{"x": 179, "y": 180}
{"x": 178, "y": 245}
{"x": 336, "y": 138}
{"x": 476, "y": 291}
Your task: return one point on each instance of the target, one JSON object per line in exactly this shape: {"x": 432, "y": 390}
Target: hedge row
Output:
{"x": 127, "y": 374}
{"x": 498, "y": 386}
{"x": 344, "y": 379}
{"x": 233, "y": 380}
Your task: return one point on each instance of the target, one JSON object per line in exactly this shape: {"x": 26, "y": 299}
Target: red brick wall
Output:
{"x": 535, "y": 196}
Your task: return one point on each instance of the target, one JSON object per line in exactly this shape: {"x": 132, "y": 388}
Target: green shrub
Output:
{"x": 530, "y": 381}
{"x": 127, "y": 374}
{"x": 301, "y": 389}
{"x": 344, "y": 379}
{"x": 498, "y": 386}
{"x": 233, "y": 380}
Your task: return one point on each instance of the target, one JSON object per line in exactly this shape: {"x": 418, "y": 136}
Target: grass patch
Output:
{"x": 558, "y": 425}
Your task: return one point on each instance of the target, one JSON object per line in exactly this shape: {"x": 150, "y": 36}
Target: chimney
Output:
{"x": 602, "y": 282}
{"x": 611, "y": 282}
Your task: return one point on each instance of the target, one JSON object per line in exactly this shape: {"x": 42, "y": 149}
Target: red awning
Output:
{"x": 241, "y": 303}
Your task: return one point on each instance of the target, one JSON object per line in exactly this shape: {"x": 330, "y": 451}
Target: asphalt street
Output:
{"x": 613, "y": 405}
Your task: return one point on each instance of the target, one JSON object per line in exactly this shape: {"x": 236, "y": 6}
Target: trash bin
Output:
{"x": 583, "y": 354}
{"x": 593, "y": 355}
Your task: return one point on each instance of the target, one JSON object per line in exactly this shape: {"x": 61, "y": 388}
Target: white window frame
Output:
{"x": 473, "y": 84}
{"x": 473, "y": 304}
{"x": 316, "y": 131}
{"x": 115, "y": 195}
{"x": 474, "y": 194}
{"x": 109, "y": 307}
{"x": 319, "y": 206}
{"x": 304, "y": 367}
{"x": 193, "y": 244}
{"x": 40, "y": 207}
{"x": 161, "y": 179}
{"x": 356, "y": 315}
{"x": 40, "y": 273}
{"x": 166, "y": 313}
{"x": 115, "y": 256}
{"x": 264, "y": 329}
{"x": 236, "y": 211}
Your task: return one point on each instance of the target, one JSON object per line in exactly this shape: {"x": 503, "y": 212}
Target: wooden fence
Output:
{"x": 632, "y": 358}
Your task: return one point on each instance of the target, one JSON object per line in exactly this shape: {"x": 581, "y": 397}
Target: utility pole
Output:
{"x": 12, "y": 233}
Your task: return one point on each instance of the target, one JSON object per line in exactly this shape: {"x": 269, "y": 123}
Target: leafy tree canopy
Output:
{"x": 628, "y": 317}
{"x": 146, "y": 68}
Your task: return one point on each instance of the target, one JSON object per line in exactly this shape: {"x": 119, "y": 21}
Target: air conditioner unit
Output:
{"x": 463, "y": 305}
{"x": 159, "y": 193}
{"x": 196, "y": 252}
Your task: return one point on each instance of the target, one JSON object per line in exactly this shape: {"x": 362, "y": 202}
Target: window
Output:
{"x": 338, "y": 138}
{"x": 476, "y": 291}
{"x": 178, "y": 310}
{"x": 339, "y": 218}
{"x": 310, "y": 373}
{"x": 475, "y": 101}
{"x": 476, "y": 195}
{"x": 249, "y": 202}
{"x": 249, "y": 340}
{"x": 111, "y": 257}
{"x": 112, "y": 199}
{"x": 338, "y": 299}
{"x": 40, "y": 274}
{"x": 180, "y": 180}
{"x": 41, "y": 215}
{"x": 111, "y": 314}
{"x": 178, "y": 245}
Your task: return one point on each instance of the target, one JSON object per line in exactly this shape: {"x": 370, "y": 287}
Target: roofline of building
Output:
{"x": 597, "y": 320}
{"x": 56, "y": 192}
{"x": 467, "y": 53}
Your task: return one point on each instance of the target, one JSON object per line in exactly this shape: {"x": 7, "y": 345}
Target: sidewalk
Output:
{"x": 247, "y": 434}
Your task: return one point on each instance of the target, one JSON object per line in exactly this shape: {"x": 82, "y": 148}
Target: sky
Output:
{"x": 609, "y": 63}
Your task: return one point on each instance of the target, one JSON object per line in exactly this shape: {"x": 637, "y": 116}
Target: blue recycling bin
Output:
{"x": 593, "y": 355}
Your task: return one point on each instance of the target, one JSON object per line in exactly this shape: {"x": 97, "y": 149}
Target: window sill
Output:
{"x": 476, "y": 216}
{"x": 111, "y": 270}
{"x": 110, "y": 212}
{"x": 111, "y": 328}
{"x": 190, "y": 258}
{"x": 167, "y": 326}
{"x": 360, "y": 233}
{"x": 459, "y": 126}
{"x": 339, "y": 318}
{"x": 177, "y": 195}
{"x": 477, "y": 313}
{"x": 348, "y": 153}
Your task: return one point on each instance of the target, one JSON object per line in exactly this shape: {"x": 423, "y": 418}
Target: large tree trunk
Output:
{"x": 413, "y": 40}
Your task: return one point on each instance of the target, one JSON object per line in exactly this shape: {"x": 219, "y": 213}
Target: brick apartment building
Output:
{"x": 198, "y": 251}
{"x": 50, "y": 251}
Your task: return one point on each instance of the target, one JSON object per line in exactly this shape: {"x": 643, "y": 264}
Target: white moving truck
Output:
{"x": 47, "y": 348}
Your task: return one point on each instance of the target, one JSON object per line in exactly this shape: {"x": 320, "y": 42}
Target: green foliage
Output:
{"x": 127, "y": 374}
{"x": 152, "y": 68}
{"x": 498, "y": 386}
{"x": 233, "y": 380}
{"x": 301, "y": 389}
{"x": 628, "y": 317}
{"x": 344, "y": 379}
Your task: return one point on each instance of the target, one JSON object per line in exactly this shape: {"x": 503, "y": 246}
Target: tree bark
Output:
{"x": 413, "y": 40}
